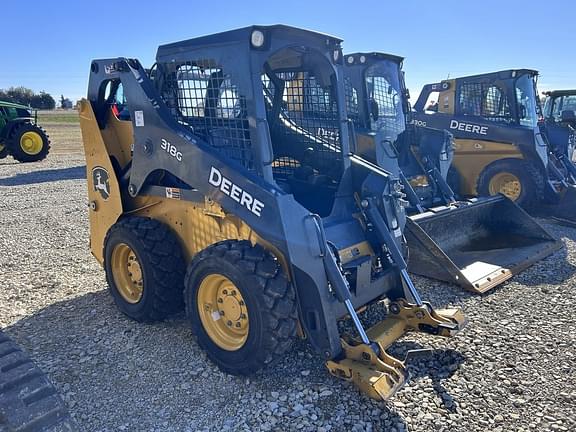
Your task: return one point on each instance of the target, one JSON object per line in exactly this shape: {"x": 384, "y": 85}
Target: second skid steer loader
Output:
{"x": 477, "y": 244}
{"x": 558, "y": 122}
{"x": 499, "y": 146}
{"x": 223, "y": 181}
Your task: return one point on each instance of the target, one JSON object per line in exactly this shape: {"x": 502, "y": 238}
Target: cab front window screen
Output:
{"x": 526, "y": 101}
{"x": 385, "y": 107}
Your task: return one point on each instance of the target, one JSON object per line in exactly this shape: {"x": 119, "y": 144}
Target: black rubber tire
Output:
{"x": 453, "y": 179}
{"x": 270, "y": 301}
{"x": 162, "y": 262}
{"x": 519, "y": 168}
{"x": 3, "y": 151}
{"x": 28, "y": 400}
{"x": 13, "y": 143}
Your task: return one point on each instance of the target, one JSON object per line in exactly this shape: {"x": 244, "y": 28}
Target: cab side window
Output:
{"x": 484, "y": 100}
{"x": 114, "y": 97}
{"x": 119, "y": 105}
{"x": 563, "y": 103}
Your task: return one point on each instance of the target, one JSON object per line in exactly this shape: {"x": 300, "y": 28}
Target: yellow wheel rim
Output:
{"x": 127, "y": 273}
{"x": 31, "y": 143}
{"x": 223, "y": 312}
{"x": 507, "y": 184}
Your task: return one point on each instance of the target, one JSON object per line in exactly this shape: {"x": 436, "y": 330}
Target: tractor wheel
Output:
{"x": 28, "y": 143}
{"x": 241, "y": 306}
{"x": 3, "y": 151}
{"x": 513, "y": 178}
{"x": 28, "y": 400}
{"x": 145, "y": 268}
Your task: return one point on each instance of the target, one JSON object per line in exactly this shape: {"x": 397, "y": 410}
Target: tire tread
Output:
{"x": 13, "y": 144}
{"x": 277, "y": 297}
{"x": 29, "y": 402}
{"x": 168, "y": 269}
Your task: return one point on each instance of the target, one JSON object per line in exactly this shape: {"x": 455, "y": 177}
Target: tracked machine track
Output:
{"x": 29, "y": 402}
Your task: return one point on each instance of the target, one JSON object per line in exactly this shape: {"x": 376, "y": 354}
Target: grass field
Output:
{"x": 59, "y": 116}
{"x": 63, "y": 128}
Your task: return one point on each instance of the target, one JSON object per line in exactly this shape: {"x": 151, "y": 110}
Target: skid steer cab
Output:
{"x": 499, "y": 145}
{"x": 228, "y": 188}
{"x": 477, "y": 244}
{"x": 558, "y": 121}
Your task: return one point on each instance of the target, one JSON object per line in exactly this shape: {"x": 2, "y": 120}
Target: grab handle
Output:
{"x": 320, "y": 234}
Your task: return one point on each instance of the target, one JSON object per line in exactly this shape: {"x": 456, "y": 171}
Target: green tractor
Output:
{"x": 20, "y": 135}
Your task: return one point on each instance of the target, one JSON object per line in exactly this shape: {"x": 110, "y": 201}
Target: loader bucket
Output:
{"x": 477, "y": 246}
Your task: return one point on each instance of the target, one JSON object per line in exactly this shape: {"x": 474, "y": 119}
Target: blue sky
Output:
{"x": 52, "y": 47}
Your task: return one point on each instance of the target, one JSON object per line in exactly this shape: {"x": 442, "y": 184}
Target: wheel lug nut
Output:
{"x": 225, "y": 292}
{"x": 229, "y": 323}
{"x": 221, "y": 313}
{"x": 233, "y": 293}
{"x": 243, "y": 316}
{"x": 237, "y": 325}
{"x": 220, "y": 300}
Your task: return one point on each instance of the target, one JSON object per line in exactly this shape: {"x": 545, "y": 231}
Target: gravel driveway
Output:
{"x": 512, "y": 369}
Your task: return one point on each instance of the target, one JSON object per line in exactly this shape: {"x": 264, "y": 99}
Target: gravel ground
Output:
{"x": 512, "y": 369}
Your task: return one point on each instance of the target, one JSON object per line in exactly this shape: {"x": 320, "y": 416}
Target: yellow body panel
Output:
{"x": 118, "y": 136}
{"x": 103, "y": 212}
{"x": 355, "y": 251}
{"x": 472, "y": 156}
{"x": 197, "y": 225}
{"x": 446, "y": 98}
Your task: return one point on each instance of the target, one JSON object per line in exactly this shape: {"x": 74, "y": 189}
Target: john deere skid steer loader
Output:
{"x": 222, "y": 190}
{"x": 499, "y": 147}
{"x": 477, "y": 244}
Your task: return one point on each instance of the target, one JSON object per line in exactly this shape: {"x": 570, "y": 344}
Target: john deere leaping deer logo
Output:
{"x": 101, "y": 182}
